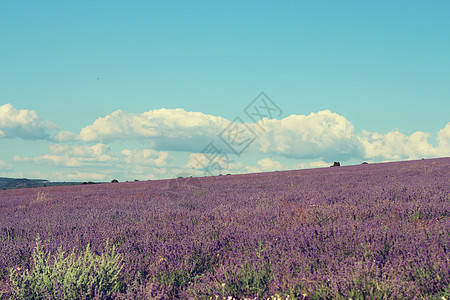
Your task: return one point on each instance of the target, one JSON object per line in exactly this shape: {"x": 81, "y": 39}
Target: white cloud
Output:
{"x": 98, "y": 152}
{"x": 319, "y": 135}
{"x": 23, "y": 123}
{"x": 146, "y": 157}
{"x": 317, "y": 164}
{"x": 313, "y": 164}
{"x": 168, "y": 129}
{"x": 87, "y": 176}
{"x": 202, "y": 164}
{"x": 265, "y": 165}
{"x": 329, "y": 136}
{"x": 396, "y": 145}
{"x": 268, "y": 164}
{"x": 64, "y": 136}
{"x": 443, "y": 139}
{"x": 74, "y": 156}
{"x": 252, "y": 169}
{"x": 58, "y": 160}
{"x": 78, "y": 162}
{"x": 4, "y": 166}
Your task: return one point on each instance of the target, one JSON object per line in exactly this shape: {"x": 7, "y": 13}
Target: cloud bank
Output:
{"x": 98, "y": 162}
{"x": 99, "y": 155}
{"x": 324, "y": 135}
{"x": 312, "y": 140}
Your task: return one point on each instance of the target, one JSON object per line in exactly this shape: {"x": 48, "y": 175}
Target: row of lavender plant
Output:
{"x": 362, "y": 232}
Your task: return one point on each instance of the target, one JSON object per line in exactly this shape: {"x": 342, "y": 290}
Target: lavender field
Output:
{"x": 375, "y": 231}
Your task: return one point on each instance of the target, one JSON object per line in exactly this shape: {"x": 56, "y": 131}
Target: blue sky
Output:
{"x": 374, "y": 75}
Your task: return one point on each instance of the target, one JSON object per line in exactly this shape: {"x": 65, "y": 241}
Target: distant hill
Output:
{"x": 16, "y": 183}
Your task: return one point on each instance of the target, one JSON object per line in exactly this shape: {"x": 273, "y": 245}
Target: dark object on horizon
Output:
{"x": 365, "y": 163}
{"x": 136, "y": 180}
{"x": 18, "y": 183}
{"x": 14, "y": 183}
{"x": 336, "y": 164}
{"x": 423, "y": 158}
{"x": 114, "y": 181}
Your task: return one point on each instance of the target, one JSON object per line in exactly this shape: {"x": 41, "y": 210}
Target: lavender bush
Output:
{"x": 72, "y": 276}
{"x": 373, "y": 231}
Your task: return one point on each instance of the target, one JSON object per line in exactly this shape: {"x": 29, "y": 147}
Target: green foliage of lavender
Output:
{"x": 373, "y": 231}
{"x": 68, "y": 276}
